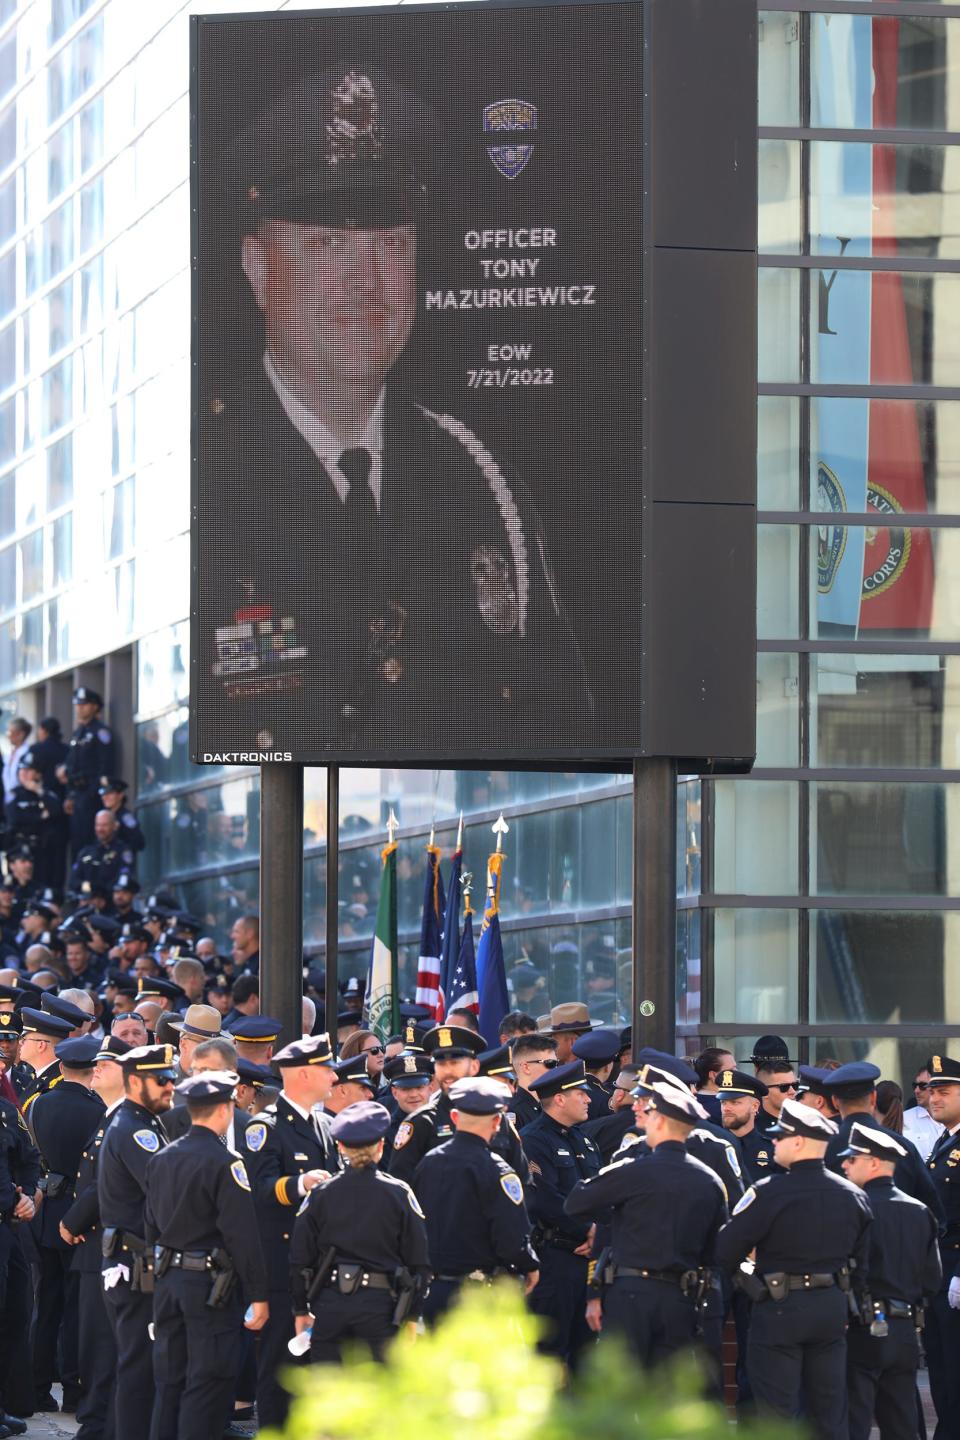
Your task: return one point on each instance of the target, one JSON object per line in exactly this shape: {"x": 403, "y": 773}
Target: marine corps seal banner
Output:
{"x": 417, "y": 339}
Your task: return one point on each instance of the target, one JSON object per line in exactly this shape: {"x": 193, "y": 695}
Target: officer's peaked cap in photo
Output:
{"x": 155, "y": 1061}
{"x": 769, "y": 1048}
{"x": 83, "y": 695}
{"x": 669, "y": 1066}
{"x": 799, "y": 1119}
{"x": 572, "y": 1076}
{"x": 408, "y": 1070}
{"x": 313, "y": 1050}
{"x": 480, "y": 1095}
{"x": 346, "y": 147}
{"x": 675, "y": 1103}
{"x": 865, "y": 1140}
{"x": 736, "y": 1083}
{"x": 362, "y": 1124}
{"x": 943, "y": 1070}
{"x": 453, "y": 1042}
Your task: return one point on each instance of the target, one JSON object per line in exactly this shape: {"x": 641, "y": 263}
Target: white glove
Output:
{"x": 114, "y": 1275}
{"x": 953, "y": 1293}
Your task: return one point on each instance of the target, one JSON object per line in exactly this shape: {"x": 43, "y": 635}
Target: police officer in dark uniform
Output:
{"x": 560, "y": 1156}
{"x": 133, "y": 1137}
{"x": 667, "y": 1212}
{"x": 201, "y": 1224}
{"x": 740, "y": 1095}
{"x": 598, "y": 1050}
{"x": 853, "y": 1090}
{"x": 80, "y": 1228}
{"x": 477, "y": 1222}
{"x": 408, "y": 1076}
{"x": 942, "y": 1337}
{"x": 60, "y": 1119}
{"x": 100, "y": 862}
{"x": 608, "y": 1132}
{"x": 90, "y": 755}
{"x": 37, "y": 1068}
{"x": 707, "y": 1142}
{"x": 129, "y": 838}
{"x": 19, "y": 1181}
{"x": 809, "y": 1227}
{"x": 532, "y": 1055}
{"x": 31, "y": 814}
{"x": 296, "y": 1153}
{"x": 903, "y": 1271}
{"x": 455, "y": 1052}
{"x": 358, "y": 463}
{"x": 358, "y": 1258}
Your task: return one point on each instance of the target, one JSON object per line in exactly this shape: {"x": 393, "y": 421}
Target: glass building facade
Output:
{"x": 820, "y": 897}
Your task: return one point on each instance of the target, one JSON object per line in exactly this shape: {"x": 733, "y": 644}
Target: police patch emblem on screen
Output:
{"x": 510, "y": 115}
{"x": 831, "y": 539}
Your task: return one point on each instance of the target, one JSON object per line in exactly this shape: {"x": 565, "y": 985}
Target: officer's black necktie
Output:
{"x": 359, "y": 508}
{"x": 943, "y": 1142}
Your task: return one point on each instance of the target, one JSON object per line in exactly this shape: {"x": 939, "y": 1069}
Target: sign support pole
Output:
{"x": 654, "y": 904}
{"x": 331, "y": 994}
{"x": 281, "y": 896}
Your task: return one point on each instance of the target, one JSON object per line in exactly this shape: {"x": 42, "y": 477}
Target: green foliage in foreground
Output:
{"x": 479, "y": 1377}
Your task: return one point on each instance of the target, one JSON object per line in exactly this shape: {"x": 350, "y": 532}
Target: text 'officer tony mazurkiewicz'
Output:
{"x": 350, "y": 533}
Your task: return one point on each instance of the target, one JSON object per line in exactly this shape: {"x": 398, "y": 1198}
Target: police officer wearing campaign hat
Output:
{"x": 455, "y": 1051}
{"x": 60, "y": 1119}
{"x": 598, "y": 1050}
{"x": 740, "y": 1094}
{"x": 80, "y": 1228}
{"x": 560, "y": 1155}
{"x": 667, "y": 1213}
{"x": 809, "y": 1228}
{"x": 89, "y": 755}
{"x": 202, "y": 1229}
{"x": 19, "y": 1181}
{"x": 357, "y": 461}
{"x": 477, "y": 1222}
{"x": 359, "y": 1258}
{"x": 132, "y": 1138}
{"x": 903, "y": 1271}
{"x": 853, "y": 1090}
{"x": 942, "y": 1335}
{"x": 295, "y": 1154}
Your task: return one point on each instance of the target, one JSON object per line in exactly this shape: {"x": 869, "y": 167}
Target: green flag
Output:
{"x": 381, "y": 1002}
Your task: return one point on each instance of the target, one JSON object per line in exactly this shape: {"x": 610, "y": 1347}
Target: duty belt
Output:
{"x": 810, "y": 1282}
{"x": 184, "y": 1259}
{"x": 896, "y": 1309}
{"x": 369, "y": 1279}
{"x": 629, "y": 1272}
{"x": 476, "y": 1277}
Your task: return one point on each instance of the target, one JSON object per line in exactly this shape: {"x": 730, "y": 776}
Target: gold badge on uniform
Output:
{"x": 937, "y": 1065}
{"x": 446, "y": 1040}
{"x": 410, "y": 1065}
{"x": 727, "y": 1078}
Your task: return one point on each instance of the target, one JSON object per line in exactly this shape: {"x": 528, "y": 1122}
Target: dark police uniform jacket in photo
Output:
{"x": 910, "y": 1174}
{"x": 30, "y": 818}
{"x": 90, "y": 755}
{"x": 19, "y": 1167}
{"x": 62, "y": 1120}
{"x": 97, "y": 864}
{"x": 376, "y": 630}
{"x": 431, "y": 1126}
{"x": 286, "y": 1146}
{"x": 132, "y": 1138}
{"x": 475, "y": 1210}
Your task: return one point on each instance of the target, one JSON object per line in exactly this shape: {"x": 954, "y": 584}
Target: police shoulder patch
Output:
{"x": 413, "y": 1201}
{"x": 403, "y": 1135}
{"x": 104, "y": 736}
{"x": 239, "y": 1172}
{"x": 511, "y": 1187}
{"x": 256, "y": 1136}
{"x": 147, "y": 1140}
{"x": 745, "y": 1201}
{"x": 734, "y": 1162}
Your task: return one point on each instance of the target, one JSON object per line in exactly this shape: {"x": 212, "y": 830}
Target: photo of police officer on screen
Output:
{"x": 371, "y": 575}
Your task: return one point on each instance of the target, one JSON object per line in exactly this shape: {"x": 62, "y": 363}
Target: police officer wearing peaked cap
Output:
{"x": 333, "y": 183}
{"x": 853, "y": 1091}
{"x": 740, "y": 1094}
{"x": 903, "y": 1271}
{"x": 667, "y": 1212}
{"x": 598, "y": 1049}
{"x": 358, "y": 1258}
{"x": 809, "y": 1228}
{"x": 38, "y": 1069}
{"x": 942, "y": 1335}
{"x": 201, "y": 1226}
{"x": 706, "y": 1142}
{"x": 132, "y": 1138}
{"x": 463, "y": 1179}
{"x": 89, "y": 755}
{"x": 408, "y": 1075}
{"x": 19, "y": 1179}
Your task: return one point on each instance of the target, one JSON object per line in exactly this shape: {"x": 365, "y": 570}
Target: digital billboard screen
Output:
{"x": 418, "y": 329}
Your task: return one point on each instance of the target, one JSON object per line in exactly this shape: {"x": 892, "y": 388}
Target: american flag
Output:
{"x": 431, "y": 926}
{"x": 463, "y": 983}
{"x": 451, "y": 932}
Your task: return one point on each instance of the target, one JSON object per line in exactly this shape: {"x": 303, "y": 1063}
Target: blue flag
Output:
{"x": 434, "y": 905}
{"x": 463, "y": 983}
{"x": 491, "y": 969}
{"x": 450, "y": 948}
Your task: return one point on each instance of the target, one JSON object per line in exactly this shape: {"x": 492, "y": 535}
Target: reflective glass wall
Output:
{"x": 831, "y": 879}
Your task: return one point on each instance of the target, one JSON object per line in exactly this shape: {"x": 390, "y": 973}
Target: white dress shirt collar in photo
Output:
{"x": 920, "y": 1128}
{"x": 325, "y": 446}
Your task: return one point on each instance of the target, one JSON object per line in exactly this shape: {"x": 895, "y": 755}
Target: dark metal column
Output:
{"x": 654, "y": 904}
{"x": 331, "y": 993}
{"x": 281, "y": 896}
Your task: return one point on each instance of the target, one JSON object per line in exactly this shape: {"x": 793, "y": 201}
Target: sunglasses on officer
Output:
{"x": 784, "y": 1089}
{"x": 921, "y": 1085}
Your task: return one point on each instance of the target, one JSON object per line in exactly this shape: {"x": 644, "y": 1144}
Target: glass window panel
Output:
{"x": 883, "y": 199}
{"x": 779, "y": 74}
{"x": 743, "y": 811}
{"x": 8, "y": 63}
{"x": 778, "y": 709}
{"x": 58, "y": 396}
{"x": 872, "y": 838}
{"x": 779, "y": 213}
{"x": 60, "y": 473}
{"x": 8, "y": 208}
{"x": 909, "y": 447}
{"x": 315, "y": 901}
{"x": 91, "y": 214}
{"x": 118, "y": 505}
{"x": 8, "y": 357}
{"x": 64, "y": 14}
{"x": 8, "y": 429}
{"x": 898, "y": 1060}
{"x": 91, "y": 134}
{"x": 778, "y": 321}
{"x": 163, "y": 662}
{"x": 867, "y": 71}
{"x": 31, "y": 566}
{"x": 8, "y": 282}
{"x": 885, "y": 710}
{"x": 8, "y": 504}
{"x": 689, "y": 837}
{"x": 213, "y": 825}
{"x": 8, "y": 136}
{"x": 912, "y": 314}
{"x": 8, "y": 578}
{"x": 92, "y": 295}
{"x": 689, "y": 999}
{"x": 778, "y": 452}
{"x": 163, "y": 754}
{"x": 857, "y": 967}
{"x": 29, "y": 493}
{"x": 60, "y": 160}
{"x": 8, "y": 652}
{"x": 58, "y": 241}
{"x": 30, "y": 652}
{"x": 778, "y": 597}
{"x": 62, "y": 529}
{"x": 755, "y": 969}
{"x": 885, "y": 580}
{"x": 219, "y": 900}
